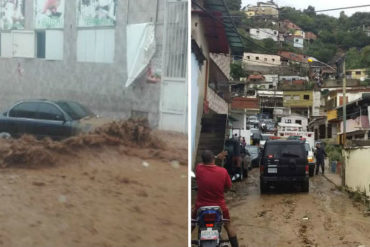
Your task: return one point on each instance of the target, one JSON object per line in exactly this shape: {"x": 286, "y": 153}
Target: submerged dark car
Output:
{"x": 41, "y": 118}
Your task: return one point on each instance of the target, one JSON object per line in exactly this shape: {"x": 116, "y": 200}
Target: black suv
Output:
{"x": 284, "y": 161}
{"x": 55, "y": 119}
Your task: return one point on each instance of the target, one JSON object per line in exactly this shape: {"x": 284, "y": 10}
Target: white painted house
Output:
{"x": 261, "y": 59}
{"x": 296, "y": 119}
{"x": 264, "y": 33}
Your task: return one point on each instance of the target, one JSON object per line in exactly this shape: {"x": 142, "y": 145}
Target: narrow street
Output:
{"x": 323, "y": 217}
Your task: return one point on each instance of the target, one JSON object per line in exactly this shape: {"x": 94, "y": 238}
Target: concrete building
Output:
{"x": 117, "y": 57}
{"x": 264, "y": 33}
{"x": 264, "y": 9}
{"x": 296, "y": 119}
{"x": 212, "y": 42}
{"x": 261, "y": 59}
{"x": 357, "y": 74}
{"x": 296, "y": 41}
{"x": 300, "y": 102}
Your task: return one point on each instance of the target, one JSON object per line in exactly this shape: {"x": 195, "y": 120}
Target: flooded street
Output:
{"x": 323, "y": 217}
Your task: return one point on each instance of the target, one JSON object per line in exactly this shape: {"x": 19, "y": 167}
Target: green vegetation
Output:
{"x": 236, "y": 71}
{"x": 233, "y": 4}
{"x": 335, "y": 35}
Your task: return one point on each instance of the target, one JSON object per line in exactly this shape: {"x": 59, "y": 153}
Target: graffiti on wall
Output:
{"x": 49, "y": 14}
{"x": 11, "y": 14}
{"x": 94, "y": 13}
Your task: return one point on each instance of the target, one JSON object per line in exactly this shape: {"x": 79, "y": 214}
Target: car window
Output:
{"x": 24, "y": 110}
{"x": 48, "y": 111}
{"x": 277, "y": 150}
{"x": 74, "y": 110}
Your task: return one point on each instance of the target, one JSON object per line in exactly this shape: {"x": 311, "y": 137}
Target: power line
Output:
{"x": 350, "y": 7}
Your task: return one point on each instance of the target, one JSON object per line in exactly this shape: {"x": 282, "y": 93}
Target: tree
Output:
{"x": 234, "y": 4}
{"x": 237, "y": 71}
{"x": 310, "y": 11}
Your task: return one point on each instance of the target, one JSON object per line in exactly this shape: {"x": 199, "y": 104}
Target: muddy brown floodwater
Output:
{"x": 324, "y": 217}
{"x": 122, "y": 185}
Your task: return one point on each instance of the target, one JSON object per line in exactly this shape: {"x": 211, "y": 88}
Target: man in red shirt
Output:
{"x": 212, "y": 182}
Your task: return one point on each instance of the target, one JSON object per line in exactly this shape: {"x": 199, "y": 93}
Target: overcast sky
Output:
{"x": 319, "y": 5}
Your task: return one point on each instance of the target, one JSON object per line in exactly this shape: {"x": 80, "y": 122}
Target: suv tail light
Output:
{"x": 306, "y": 169}
{"x": 261, "y": 168}
{"x": 270, "y": 156}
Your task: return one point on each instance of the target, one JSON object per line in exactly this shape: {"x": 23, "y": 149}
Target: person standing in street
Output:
{"x": 320, "y": 157}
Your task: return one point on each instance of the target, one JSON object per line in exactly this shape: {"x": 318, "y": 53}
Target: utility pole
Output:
{"x": 344, "y": 121}
{"x": 344, "y": 103}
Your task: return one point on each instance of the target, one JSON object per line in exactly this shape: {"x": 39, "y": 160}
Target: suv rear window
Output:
{"x": 278, "y": 150}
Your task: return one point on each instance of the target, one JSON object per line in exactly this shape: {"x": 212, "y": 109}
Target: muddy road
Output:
{"x": 324, "y": 217}
{"x": 97, "y": 190}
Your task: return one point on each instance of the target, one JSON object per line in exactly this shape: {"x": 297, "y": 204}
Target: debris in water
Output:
{"x": 175, "y": 164}
{"x": 145, "y": 164}
{"x": 62, "y": 199}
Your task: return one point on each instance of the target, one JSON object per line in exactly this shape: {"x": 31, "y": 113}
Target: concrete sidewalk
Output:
{"x": 334, "y": 178}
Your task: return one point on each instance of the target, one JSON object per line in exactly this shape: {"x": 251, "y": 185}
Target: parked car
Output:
{"x": 41, "y": 118}
{"x": 264, "y": 138}
{"x": 254, "y": 154}
{"x": 284, "y": 161}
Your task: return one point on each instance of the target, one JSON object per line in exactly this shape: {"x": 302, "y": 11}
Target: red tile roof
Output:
{"x": 256, "y": 77}
{"x": 294, "y": 56}
{"x": 244, "y": 103}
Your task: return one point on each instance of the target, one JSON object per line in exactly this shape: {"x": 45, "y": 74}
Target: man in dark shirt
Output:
{"x": 320, "y": 157}
{"x": 236, "y": 159}
{"x": 212, "y": 182}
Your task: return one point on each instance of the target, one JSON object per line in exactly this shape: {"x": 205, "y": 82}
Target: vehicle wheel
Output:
{"x": 5, "y": 135}
{"x": 306, "y": 186}
{"x": 311, "y": 171}
{"x": 263, "y": 188}
{"x": 245, "y": 171}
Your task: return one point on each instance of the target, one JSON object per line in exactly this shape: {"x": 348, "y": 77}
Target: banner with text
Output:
{"x": 49, "y": 14}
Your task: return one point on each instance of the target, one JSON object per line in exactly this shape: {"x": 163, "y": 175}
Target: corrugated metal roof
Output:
{"x": 233, "y": 36}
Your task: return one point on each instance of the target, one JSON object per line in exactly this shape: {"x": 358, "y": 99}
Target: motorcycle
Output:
{"x": 209, "y": 221}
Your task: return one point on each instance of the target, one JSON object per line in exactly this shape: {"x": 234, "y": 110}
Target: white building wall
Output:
{"x": 264, "y": 33}
{"x": 261, "y": 59}
{"x": 357, "y": 174}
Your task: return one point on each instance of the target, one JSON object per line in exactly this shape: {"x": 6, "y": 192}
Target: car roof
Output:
{"x": 279, "y": 141}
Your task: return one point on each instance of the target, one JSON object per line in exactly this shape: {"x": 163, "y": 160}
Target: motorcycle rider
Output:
{"x": 212, "y": 182}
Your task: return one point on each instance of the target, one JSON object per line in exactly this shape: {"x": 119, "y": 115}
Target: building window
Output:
{"x": 287, "y": 97}
{"x": 296, "y": 40}
{"x": 288, "y": 121}
{"x": 273, "y": 59}
{"x": 265, "y": 59}
{"x": 298, "y": 122}
{"x": 348, "y": 73}
{"x": 248, "y": 57}
{"x": 49, "y": 44}
{"x": 297, "y": 97}
{"x": 306, "y": 97}
{"x": 95, "y": 45}
{"x": 257, "y": 31}
{"x": 358, "y": 72}
{"x": 18, "y": 44}
{"x": 257, "y": 58}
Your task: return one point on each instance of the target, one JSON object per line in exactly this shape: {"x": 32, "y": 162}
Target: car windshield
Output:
{"x": 74, "y": 110}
